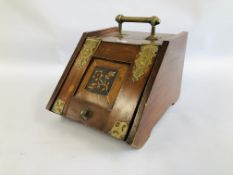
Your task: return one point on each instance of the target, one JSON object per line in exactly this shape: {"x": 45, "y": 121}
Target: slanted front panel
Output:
{"x": 105, "y": 84}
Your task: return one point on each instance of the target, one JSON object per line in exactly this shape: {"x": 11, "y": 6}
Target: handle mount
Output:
{"x": 154, "y": 20}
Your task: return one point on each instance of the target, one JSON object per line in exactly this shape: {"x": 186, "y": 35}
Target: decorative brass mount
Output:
{"x": 144, "y": 60}
{"x": 119, "y": 130}
{"x": 89, "y": 47}
{"x": 154, "y": 20}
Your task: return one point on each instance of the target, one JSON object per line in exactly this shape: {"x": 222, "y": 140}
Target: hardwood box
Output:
{"x": 121, "y": 83}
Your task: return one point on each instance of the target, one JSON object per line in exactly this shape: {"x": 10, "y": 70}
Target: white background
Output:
{"x": 37, "y": 38}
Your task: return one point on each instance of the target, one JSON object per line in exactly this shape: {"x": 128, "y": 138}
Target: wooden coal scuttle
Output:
{"x": 122, "y": 82}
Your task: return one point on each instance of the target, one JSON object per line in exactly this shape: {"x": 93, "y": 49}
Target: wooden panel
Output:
{"x": 165, "y": 90}
{"x": 99, "y": 116}
{"x": 117, "y": 51}
{"x": 102, "y": 82}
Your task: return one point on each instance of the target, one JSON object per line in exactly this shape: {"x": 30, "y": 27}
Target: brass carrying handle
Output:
{"x": 154, "y": 20}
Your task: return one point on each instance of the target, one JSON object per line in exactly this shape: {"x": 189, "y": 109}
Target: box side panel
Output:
{"x": 165, "y": 90}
